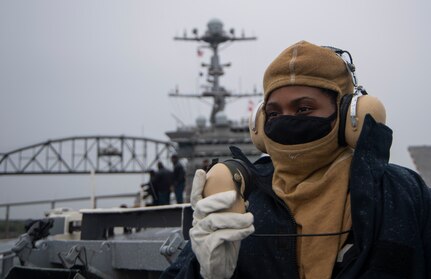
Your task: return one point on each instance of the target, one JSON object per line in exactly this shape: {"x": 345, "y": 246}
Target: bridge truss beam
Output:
{"x": 81, "y": 155}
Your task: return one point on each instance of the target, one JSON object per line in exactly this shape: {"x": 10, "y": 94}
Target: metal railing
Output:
{"x": 53, "y": 203}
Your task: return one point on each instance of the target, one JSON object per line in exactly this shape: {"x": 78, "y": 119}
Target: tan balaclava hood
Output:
{"x": 310, "y": 65}
{"x": 312, "y": 178}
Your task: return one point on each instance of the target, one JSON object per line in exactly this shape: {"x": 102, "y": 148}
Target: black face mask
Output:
{"x": 288, "y": 129}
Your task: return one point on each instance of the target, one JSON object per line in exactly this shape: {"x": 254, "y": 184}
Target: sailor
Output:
{"x": 179, "y": 177}
{"x": 326, "y": 203}
{"x": 162, "y": 183}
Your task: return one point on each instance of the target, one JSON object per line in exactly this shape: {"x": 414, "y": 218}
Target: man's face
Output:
{"x": 299, "y": 100}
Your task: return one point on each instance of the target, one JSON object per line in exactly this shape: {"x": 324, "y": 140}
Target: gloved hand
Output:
{"x": 216, "y": 236}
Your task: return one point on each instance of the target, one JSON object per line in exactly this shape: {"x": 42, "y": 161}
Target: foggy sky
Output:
{"x": 73, "y": 68}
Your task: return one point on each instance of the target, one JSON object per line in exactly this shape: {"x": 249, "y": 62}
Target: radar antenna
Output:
{"x": 213, "y": 37}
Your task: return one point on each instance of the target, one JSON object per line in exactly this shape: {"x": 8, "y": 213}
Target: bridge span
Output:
{"x": 87, "y": 154}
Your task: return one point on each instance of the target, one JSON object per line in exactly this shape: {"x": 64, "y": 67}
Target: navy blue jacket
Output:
{"x": 391, "y": 220}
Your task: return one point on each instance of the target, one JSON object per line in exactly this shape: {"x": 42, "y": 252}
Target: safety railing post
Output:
{"x": 7, "y": 221}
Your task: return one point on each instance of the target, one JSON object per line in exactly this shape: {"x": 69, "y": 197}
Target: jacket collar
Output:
{"x": 374, "y": 141}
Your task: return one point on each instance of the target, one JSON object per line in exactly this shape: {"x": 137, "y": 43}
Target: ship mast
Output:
{"x": 213, "y": 38}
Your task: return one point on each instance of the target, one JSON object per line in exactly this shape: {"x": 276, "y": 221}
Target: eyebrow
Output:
{"x": 272, "y": 105}
{"x": 299, "y": 100}
{"x": 294, "y": 102}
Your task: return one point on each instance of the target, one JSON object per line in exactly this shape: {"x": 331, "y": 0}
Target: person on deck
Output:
{"x": 326, "y": 202}
{"x": 162, "y": 183}
{"x": 179, "y": 178}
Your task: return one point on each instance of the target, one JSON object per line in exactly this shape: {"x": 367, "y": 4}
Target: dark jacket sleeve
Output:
{"x": 186, "y": 266}
{"x": 405, "y": 229}
{"x": 419, "y": 194}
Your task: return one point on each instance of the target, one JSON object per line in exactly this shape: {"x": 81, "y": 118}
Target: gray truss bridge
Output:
{"x": 81, "y": 155}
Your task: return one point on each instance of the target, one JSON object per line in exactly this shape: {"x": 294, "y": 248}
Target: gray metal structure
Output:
{"x": 213, "y": 37}
{"x": 206, "y": 142}
{"x": 421, "y": 156}
{"x": 81, "y": 155}
{"x": 115, "y": 243}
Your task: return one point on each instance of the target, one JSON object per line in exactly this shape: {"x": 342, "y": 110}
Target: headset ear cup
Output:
{"x": 256, "y": 124}
{"x": 344, "y": 109}
{"x": 366, "y": 104}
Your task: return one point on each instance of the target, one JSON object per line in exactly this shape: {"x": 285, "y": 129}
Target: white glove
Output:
{"x": 216, "y": 236}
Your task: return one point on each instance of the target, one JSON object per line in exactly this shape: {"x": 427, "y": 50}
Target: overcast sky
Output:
{"x": 75, "y": 68}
